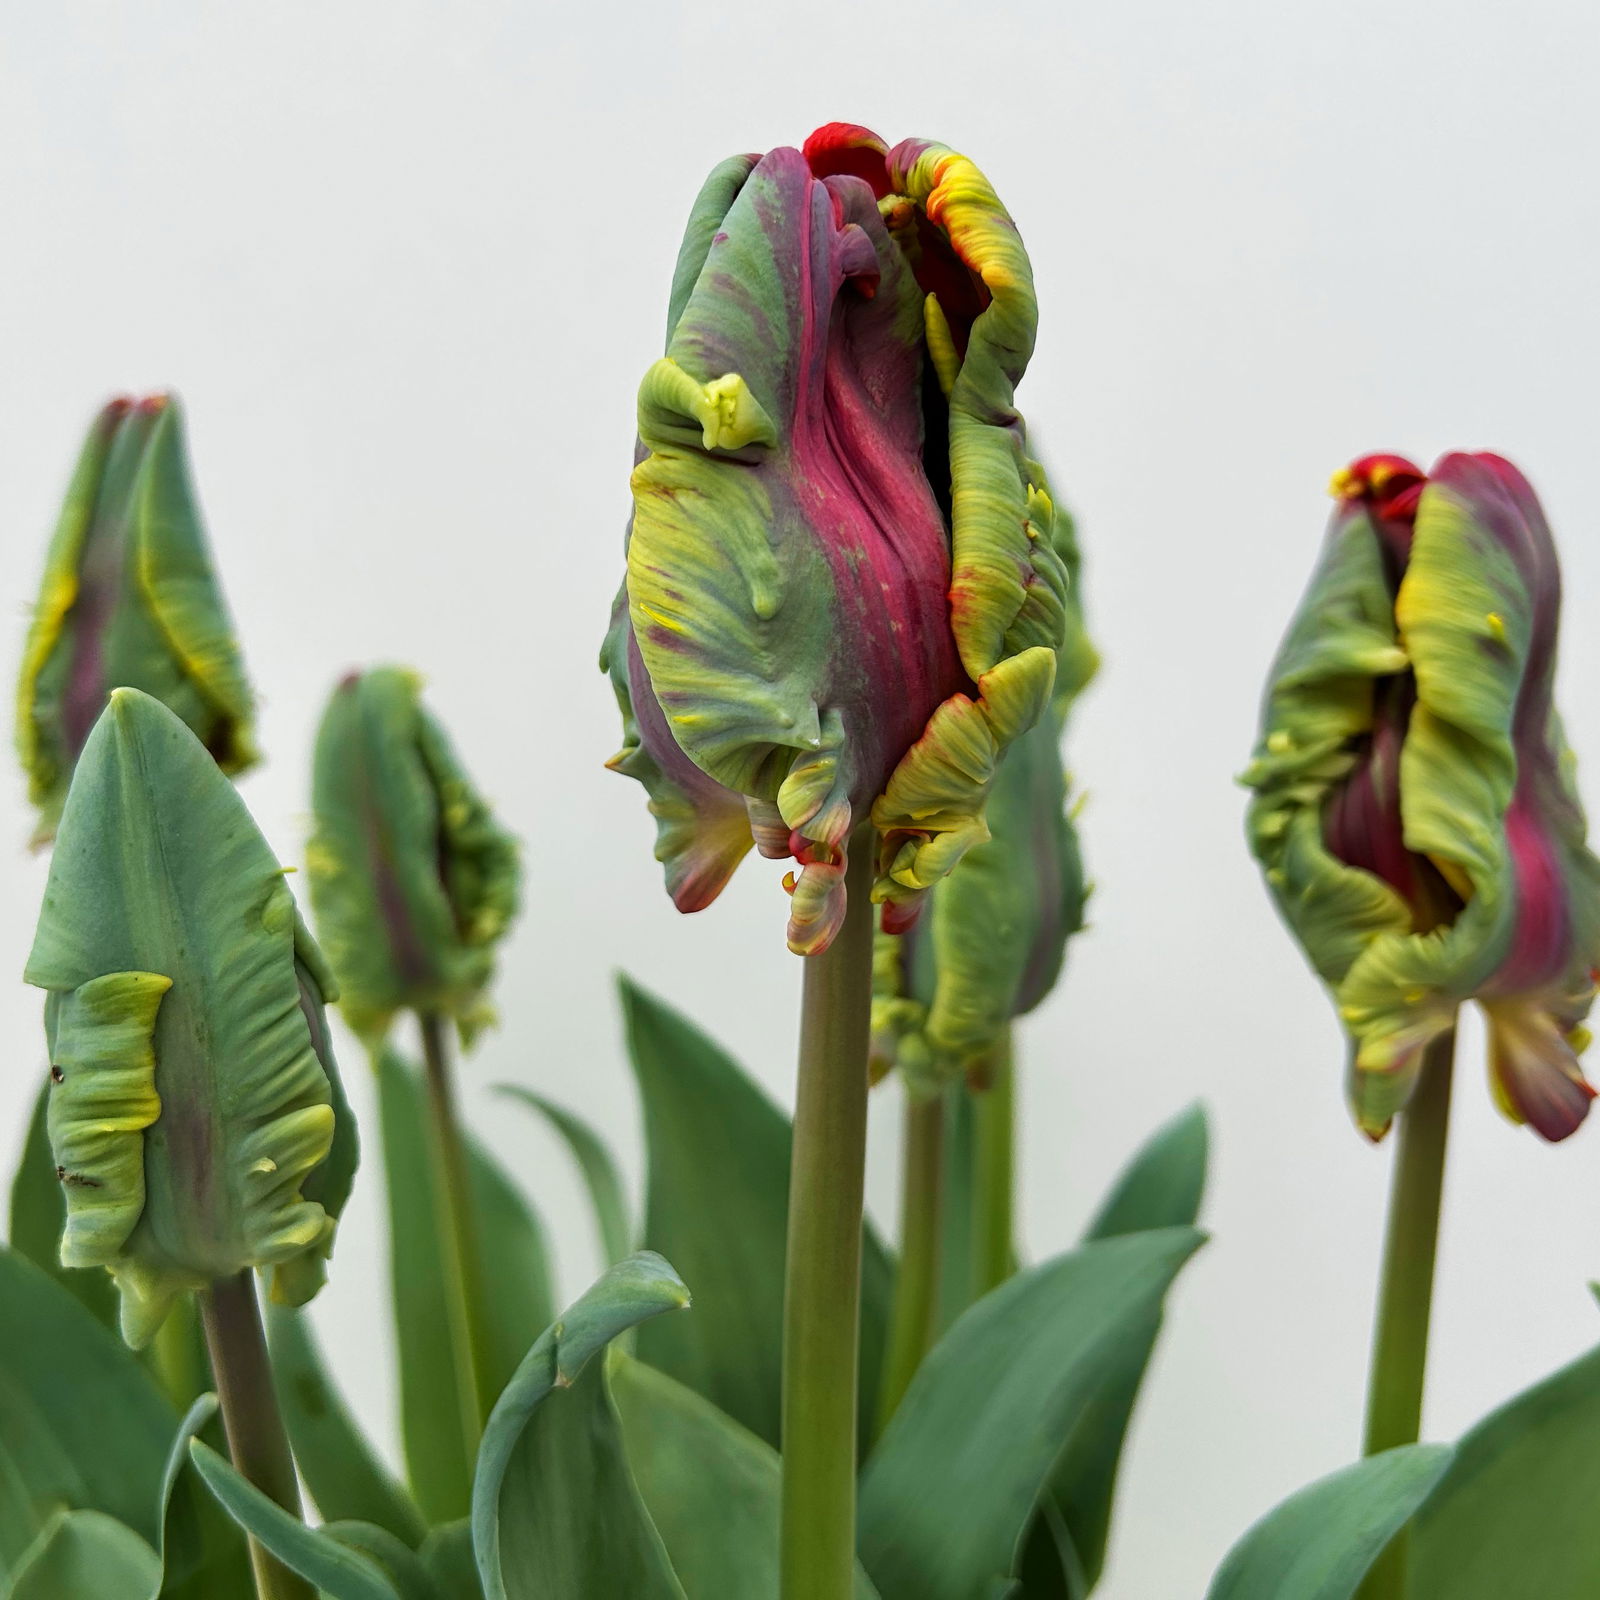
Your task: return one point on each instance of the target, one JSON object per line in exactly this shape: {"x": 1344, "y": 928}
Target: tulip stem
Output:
{"x": 1405, "y": 1295}
{"x": 456, "y": 1218}
{"x": 250, "y": 1418}
{"x": 822, "y": 1287}
{"x": 914, "y": 1322}
{"x": 994, "y": 1177}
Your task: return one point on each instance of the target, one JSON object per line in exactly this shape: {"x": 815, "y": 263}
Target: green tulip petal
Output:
{"x": 412, "y": 880}
{"x": 130, "y": 598}
{"x": 160, "y": 878}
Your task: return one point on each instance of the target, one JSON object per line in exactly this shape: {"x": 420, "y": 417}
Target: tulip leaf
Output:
{"x": 950, "y": 1489}
{"x": 1161, "y": 1187}
{"x": 1516, "y": 1513}
{"x": 88, "y": 1556}
{"x": 341, "y": 1469}
{"x": 447, "y": 1554}
{"x": 82, "y": 1424}
{"x": 597, "y": 1165}
{"x": 712, "y": 1488}
{"x": 1322, "y": 1541}
{"x": 718, "y": 1149}
{"x": 398, "y": 1562}
{"x": 555, "y": 1511}
{"x": 518, "y": 1298}
{"x": 341, "y": 1572}
{"x": 203, "y": 1551}
{"x": 39, "y": 1213}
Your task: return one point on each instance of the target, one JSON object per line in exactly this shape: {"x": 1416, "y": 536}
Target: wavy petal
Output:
{"x": 169, "y": 934}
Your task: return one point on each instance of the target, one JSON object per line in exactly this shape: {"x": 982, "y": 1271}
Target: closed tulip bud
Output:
{"x": 992, "y": 940}
{"x": 1414, "y": 806}
{"x": 412, "y": 881}
{"x": 129, "y": 599}
{"x": 195, "y": 1111}
{"x": 843, "y": 599}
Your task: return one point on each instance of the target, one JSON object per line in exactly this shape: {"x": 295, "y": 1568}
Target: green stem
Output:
{"x": 456, "y": 1217}
{"x": 994, "y": 1177}
{"x": 916, "y": 1292}
{"x": 822, "y": 1288}
{"x": 256, "y": 1438}
{"x": 1405, "y": 1296}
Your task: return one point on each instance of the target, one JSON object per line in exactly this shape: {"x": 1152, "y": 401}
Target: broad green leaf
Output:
{"x": 338, "y": 1570}
{"x": 595, "y": 1162}
{"x": 951, "y": 1487}
{"x": 341, "y": 1469}
{"x": 717, "y": 1205}
{"x": 555, "y": 1511}
{"x": 1161, "y": 1187}
{"x": 1164, "y": 1183}
{"x": 447, "y": 1554}
{"x": 82, "y": 1424}
{"x": 393, "y": 1557}
{"x": 1519, "y": 1511}
{"x": 517, "y": 1289}
{"x": 202, "y": 1550}
{"x": 39, "y": 1213}
{"x": 1321, "y": 1542}
{"x": 711, "y": 1487}
{"x": 85, "y": 1555}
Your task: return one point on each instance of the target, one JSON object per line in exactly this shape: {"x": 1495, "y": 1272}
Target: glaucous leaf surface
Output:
{"x": 517, "y": 1289}
{"x": 950, "y": 1489}
{"x": 344, "y": 1474}
{"x": 338, "y": 1569}
{"x": 85, "y": 1555}
{"x": 1515, "y": 1514}
{"x": 1321, "y": 1542}
{"x": 711, "y": 1487}
{"x": 556, "y": 1514}
{"x": 718, "y": 1149}
{"x": 82, "y": 1424}
{"x": 595, "y": 1162}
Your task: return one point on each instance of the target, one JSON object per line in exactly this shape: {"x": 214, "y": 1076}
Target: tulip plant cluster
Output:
{"x": 850, "y": 634}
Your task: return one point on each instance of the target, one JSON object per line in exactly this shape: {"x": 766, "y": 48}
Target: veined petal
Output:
{"x": 190, "y": 1103}
{"x": 989, "y": 313}
{"x": 1417, "y": 817}
{"x": 702, "y": 829}
{"x": 129, "y": 599}
{"x": 412, "y": 880}
{"x": 788, "y": 563}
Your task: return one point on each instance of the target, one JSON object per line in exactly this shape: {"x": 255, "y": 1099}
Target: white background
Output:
{"x": 406, "y": 263}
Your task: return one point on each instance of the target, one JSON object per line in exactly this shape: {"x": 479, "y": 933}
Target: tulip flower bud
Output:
{"x": 1414, "y": 805}
{"x": 842, "y": 598}
{"x": 412, "y": 881}
{"x": 991, "y": 943}
{"x": 129, "y": 599}
{"x": 194, "y": 1112}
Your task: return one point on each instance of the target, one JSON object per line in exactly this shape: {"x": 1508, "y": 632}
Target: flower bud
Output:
{"x": 843, "y": 599}
{"x": 1414, "y": 808}
{"x": 991, "y": 942}
{"x": 412, "y": 881}
{"x": 129, "y": 599}
{"x": 194, "y": 1107}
